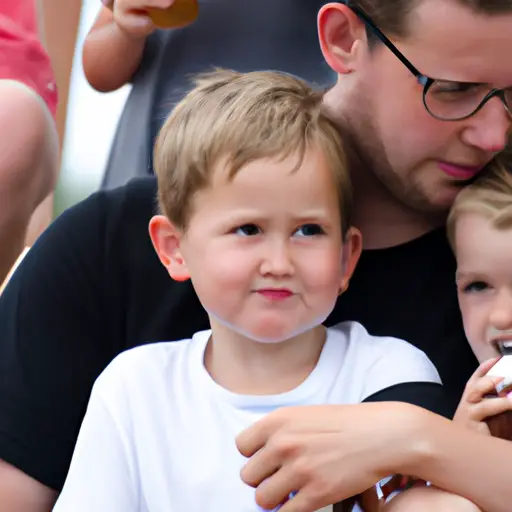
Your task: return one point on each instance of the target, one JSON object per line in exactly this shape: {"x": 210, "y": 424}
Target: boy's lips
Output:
{"x": 275, "y": 293}
{"x": 461, "y": 172}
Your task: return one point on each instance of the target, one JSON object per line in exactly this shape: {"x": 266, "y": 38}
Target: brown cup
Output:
{"x": 180, "y": 14}
{"x": 501, "y": 424}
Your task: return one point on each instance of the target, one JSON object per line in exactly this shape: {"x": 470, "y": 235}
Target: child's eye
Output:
{"x": 475, "y": 286}
{"x": 310, "y": 230}
{"x": 247, "y": 230}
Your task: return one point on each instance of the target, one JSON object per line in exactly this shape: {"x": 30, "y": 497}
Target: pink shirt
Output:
{"x": 22, "y": 56}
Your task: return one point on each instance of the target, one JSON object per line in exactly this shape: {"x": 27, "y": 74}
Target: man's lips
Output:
{"x": 461, "y": 172}
{"x": 275, "y": 293}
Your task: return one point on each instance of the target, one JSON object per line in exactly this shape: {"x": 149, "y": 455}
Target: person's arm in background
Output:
{"x": 58, "y": 29}
{"x": 114, "y": 47}
{"x": 58, "y": 22}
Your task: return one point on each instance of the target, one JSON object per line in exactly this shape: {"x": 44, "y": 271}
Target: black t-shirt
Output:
{"x": 92, "y": 286}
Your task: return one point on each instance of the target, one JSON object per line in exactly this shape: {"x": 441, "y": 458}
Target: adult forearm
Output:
{"x": 460, "y": 461}
{"x": 110, "y": 56}
{"x": 21, "y": 493}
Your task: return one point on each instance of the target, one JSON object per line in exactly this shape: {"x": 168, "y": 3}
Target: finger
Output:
{"x": 256, "y": 436}
{"x": 490, "y": 407}
{"x": 162, "y": 4}
{"x": 481, "y": 387}
{"x": 261, "y": 466}
{"x": 137, "y": 23}
{"x": 138, "y": 5}
{"x": 252, "y": 439}
{"x": 302, "y": 502}
{"x": 483, "y": 369}
{"x": 276, "y": 490}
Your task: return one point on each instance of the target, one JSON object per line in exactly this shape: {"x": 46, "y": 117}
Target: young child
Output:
{"x": 479, "y": 229}
{"x": 255, "y": 205}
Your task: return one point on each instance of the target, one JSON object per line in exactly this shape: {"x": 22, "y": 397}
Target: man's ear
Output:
{"x": 352, "y": 248}
{"x": 166, "y": 241}
{"x": 340, "y": 32}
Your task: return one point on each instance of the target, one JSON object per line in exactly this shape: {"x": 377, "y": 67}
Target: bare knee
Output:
{"x": 428, "y": 499}
{"x": 28, "y": 148}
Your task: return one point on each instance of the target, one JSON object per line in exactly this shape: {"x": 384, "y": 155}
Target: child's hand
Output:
{"x": 474, "y": 408}
{"x": 132, "y": 15}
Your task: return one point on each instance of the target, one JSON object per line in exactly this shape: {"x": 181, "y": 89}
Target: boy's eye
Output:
{"x": 247, "y": 230}
{"x": 310, "y": 230}
{"x": 475, "y": 286}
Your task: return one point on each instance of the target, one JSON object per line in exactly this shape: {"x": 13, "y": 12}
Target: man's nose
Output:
{"x": 489, "y": 129}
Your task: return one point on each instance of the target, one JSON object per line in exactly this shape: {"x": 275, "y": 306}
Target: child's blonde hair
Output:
{"x": 238, "y": 118}
{"x": 490, "y": 195}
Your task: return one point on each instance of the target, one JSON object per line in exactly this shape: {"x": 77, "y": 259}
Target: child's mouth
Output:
{"x": 504, "y": 347}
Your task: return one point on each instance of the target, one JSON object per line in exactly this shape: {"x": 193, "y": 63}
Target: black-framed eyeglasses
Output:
{"x": 444, "y": 99}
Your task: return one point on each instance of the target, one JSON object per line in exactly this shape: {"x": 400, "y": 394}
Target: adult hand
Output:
{"x": 325, "y": 453}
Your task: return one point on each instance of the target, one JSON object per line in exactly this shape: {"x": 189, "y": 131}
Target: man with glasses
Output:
{"x": 424, "y": 91}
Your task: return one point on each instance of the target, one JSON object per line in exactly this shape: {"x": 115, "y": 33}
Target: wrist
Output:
{"x": 405, "y": 443}
{"x": 420, "y": 453}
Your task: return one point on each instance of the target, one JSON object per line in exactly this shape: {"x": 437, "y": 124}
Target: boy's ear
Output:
{"x": 166, "y": 241}
{"x": 352, "y": 248}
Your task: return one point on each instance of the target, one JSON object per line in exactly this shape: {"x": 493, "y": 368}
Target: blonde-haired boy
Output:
{"x": 255, "y": 204}
{"x": 480, "y": 232}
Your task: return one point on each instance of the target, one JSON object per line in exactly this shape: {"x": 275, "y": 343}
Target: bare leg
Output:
{"x": 28, "y": 165}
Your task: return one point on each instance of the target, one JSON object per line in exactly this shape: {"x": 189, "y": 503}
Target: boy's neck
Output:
{"x": 248, "y": 367}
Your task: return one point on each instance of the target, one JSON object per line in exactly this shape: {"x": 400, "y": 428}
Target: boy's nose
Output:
{"x": 277, "y": 260}
{"x": 501, "y": 313}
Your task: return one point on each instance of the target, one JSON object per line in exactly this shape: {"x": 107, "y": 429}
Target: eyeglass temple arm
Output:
{"x": 368, "y": 22}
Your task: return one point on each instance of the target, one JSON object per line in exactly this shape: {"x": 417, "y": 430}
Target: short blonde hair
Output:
{"x": 490, "y": 196}
{"x": 238, "y": 118}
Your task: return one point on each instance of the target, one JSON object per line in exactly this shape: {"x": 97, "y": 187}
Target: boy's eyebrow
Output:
{"x": 460, "y": 274}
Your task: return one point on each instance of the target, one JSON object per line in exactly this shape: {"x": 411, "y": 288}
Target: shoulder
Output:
{"x": 374, "y": 348}
{"x": 133, "y": 366}
{"x": 76, "y": 247}
{"x": 107, "y": 210}
{"x": 383, "y": 361}
{"x": 135, "y": 199}
{"x": 148, "y": 369}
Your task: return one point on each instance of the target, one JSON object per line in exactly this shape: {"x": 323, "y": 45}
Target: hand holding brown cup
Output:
{"x": 500, "y": 425}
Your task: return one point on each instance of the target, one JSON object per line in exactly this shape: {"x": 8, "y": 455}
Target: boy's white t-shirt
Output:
{"x": 159, "y": 432}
